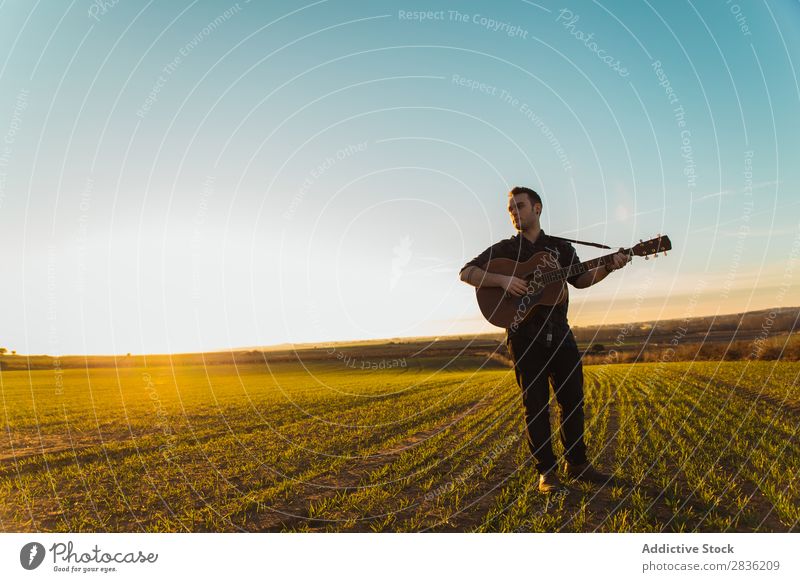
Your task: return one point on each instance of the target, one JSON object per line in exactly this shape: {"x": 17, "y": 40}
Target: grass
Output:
{"x": 434, "y": 446}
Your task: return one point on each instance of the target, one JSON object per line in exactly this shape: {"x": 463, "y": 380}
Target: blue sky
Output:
{"x": 198, "y": 175}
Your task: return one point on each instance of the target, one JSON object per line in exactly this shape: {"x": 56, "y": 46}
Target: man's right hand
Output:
{"x": 515, "y": 286}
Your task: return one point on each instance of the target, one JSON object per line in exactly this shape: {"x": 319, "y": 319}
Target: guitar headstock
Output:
{"x": 652, "y": 246}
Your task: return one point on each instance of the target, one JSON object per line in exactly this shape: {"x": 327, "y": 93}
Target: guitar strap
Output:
{"x": 580, "y": 242}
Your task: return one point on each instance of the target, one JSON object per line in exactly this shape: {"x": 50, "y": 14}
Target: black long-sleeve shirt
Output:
{"x": 545, "y": 320}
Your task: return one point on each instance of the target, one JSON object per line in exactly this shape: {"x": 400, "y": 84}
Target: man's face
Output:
{"x": 523, "y": 213}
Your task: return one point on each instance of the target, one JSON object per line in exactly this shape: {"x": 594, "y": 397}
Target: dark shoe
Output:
{"x": 585, "y": 472}
{"x": 549, "y": 482}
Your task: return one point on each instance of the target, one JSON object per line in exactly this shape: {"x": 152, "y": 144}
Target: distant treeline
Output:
{"x": 785, "y": 347}
{"x": 744, "y": 325}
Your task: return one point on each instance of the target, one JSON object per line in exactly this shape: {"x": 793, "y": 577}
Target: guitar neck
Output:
{"x": 580, "y": 268}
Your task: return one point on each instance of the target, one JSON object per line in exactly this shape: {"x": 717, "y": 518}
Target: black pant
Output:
{"x": 535, "y": 365}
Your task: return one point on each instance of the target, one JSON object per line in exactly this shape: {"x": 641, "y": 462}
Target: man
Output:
{"x": 543, "y": 347}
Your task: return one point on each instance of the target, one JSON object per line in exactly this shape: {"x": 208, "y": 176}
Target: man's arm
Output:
{"x": 589, "y": 278}
{"x": 477, "y": 277}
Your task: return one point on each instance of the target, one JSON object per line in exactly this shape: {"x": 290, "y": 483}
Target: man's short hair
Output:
{"x": 532, "y": 195}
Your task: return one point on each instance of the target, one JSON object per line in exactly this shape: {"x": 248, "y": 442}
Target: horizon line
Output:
{"x": 289, "y": 345}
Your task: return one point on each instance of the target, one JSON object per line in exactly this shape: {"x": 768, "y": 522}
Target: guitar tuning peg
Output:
{"x": 646, "y": 258}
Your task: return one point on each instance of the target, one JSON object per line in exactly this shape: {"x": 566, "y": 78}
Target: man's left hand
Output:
{"x": 620, "y": 260}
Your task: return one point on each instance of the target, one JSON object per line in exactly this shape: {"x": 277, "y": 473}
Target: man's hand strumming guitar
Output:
{"x": 515, "y": 286}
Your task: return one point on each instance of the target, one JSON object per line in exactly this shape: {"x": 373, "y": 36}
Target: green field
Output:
{"x": 432, "y": 445}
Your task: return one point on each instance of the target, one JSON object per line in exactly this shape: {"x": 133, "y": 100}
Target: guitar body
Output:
{"x": 503, "y": 309}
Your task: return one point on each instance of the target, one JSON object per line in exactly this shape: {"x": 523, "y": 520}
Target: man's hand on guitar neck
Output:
{"x": 477, "y": 277}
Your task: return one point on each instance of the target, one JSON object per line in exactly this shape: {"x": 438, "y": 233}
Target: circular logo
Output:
{"x": 31, "y": 555}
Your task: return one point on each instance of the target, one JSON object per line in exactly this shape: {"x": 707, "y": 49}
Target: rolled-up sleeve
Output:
{"x": 493, "y": 252}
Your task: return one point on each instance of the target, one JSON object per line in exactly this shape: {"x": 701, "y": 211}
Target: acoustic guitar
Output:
{"x": 546, "y": 282}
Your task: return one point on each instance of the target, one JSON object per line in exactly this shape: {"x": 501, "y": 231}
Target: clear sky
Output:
{"x": 191, "y": 175}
